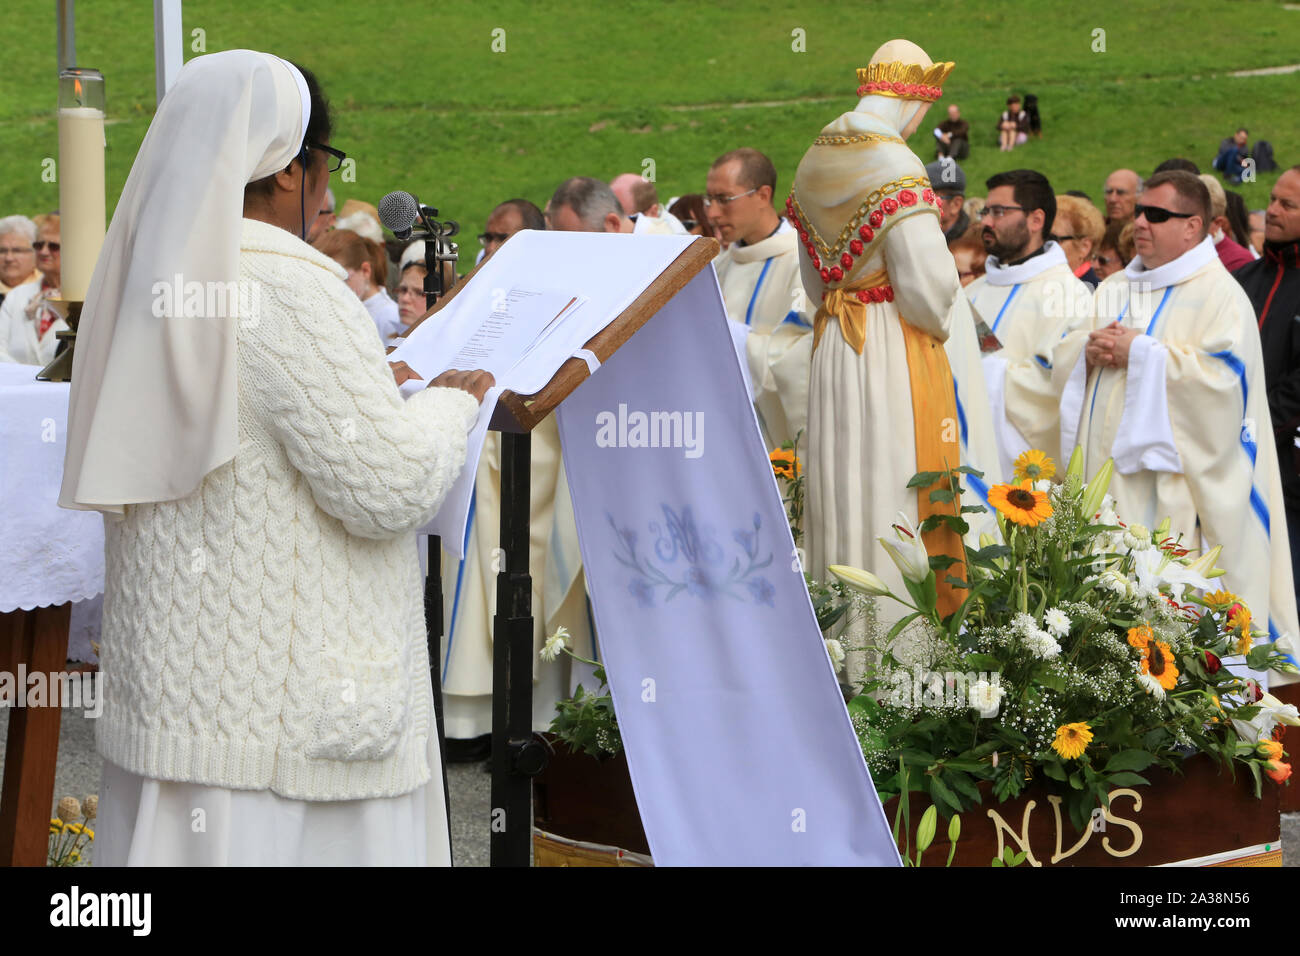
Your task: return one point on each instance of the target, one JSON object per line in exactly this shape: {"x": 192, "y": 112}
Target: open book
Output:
{"x": 527, "y": 310}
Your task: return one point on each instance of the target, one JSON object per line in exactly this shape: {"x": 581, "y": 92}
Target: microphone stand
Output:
{"x": 436, "y": 252}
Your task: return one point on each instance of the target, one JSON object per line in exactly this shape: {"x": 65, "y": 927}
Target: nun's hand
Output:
{"x": 402, "y": 372}
{"x": 476, "y": 382}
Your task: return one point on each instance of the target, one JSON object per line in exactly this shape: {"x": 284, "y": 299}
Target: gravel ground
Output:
{"x": 79, "y": 769}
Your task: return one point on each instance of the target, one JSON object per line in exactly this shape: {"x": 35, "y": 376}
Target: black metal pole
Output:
{"x": 433, "y": 620}
{"x": 516, "y": 756}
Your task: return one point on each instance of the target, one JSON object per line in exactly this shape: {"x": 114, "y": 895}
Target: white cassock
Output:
{"x": 469, "y": 589}
{"x": 1187, "y": 422}
{"x": 763, "y": 292}
{"x": 1029, "y": 307}
{"x": 18, "y": 326}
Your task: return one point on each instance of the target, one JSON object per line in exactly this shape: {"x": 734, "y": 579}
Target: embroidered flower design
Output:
{"x": 927, "y": 194}
{"x": 867, "y": 233}
{"x": 836, "y": 274}
{"x": 846, "y": 260}
{"x": 856, "y": 247}
{"x": 890, "y": 206}
{"x": 907, "y": 197}
{"x": 876, "y": 218}
{"x": 826, "y": 275}
{"x": 642, "y": 591}
{"x": 762, "y": 591}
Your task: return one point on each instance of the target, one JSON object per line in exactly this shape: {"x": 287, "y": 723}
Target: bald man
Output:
{"x": 638, "y": 197}
{"x": 1122, "y": 187}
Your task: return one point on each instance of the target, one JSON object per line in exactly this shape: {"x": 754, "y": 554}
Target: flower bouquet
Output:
{"x": 1086, "y": 651}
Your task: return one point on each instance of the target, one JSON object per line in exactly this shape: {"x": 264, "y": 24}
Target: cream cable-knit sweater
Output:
{"x": 267, "y": 631}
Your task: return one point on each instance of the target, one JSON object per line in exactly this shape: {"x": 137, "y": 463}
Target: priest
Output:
{"x": 759, "y": 274}
{"x": 1169, "y": 382}
{"x": 882, "y": 402}
{"x": 1029, "y": 297}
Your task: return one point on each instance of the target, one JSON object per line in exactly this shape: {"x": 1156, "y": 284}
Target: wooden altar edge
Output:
{"x": 1262, "y": 854}
{"x": 522, "y": 413}
{"x": 550, "y": 849}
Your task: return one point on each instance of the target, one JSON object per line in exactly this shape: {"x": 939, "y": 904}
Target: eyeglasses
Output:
{"x": 497, "y": 237}
{"x": 6, "y": 251}
{"x": 38, "y": 246}
{"x": 338, "y": 155}
{"x": 997, "y": 212}
{"x": 1156, "y": 214}
{"x": 727, "y": 200}
{"x": 689, "y": 223}
{"x": 1068, "y": 238}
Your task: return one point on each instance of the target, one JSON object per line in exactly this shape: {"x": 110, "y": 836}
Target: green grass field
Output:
{"x": 423, "y": 102}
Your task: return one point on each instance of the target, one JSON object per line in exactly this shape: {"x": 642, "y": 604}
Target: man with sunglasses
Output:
{"x": 29, "y": 325}
{"x": 1169, "y": 383}
{"x": 1029, "y": 297}
{"x": 759, "y": 275}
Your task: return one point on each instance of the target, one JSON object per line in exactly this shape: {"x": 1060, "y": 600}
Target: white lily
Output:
{"x": 1154, "y": 568}
{"x": 909, "y": 553}
{"x": 860, "y": 580}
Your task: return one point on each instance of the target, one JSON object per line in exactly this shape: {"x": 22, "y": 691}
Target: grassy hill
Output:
{"x": 424, "y": 102}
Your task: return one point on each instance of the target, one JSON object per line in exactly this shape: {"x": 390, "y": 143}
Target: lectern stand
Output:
{"x": 518, "y": 754}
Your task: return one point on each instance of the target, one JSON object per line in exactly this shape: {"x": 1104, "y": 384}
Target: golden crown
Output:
{"x": 909, "y": 81}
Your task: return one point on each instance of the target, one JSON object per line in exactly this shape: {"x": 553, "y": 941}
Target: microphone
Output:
{"x": 398, "y": 212}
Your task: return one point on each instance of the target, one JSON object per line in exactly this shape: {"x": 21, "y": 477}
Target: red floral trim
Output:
{"x": 858, "y": 246}
{"x": 883, "y": 293}
{"x": 855, "y": 247}
{"x": 876, "y": 218}
{"x": 907, "y": 197}
{"x": 917, "y": 90}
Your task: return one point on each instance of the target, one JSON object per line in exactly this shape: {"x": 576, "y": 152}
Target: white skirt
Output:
{"x": 147, "y": 822}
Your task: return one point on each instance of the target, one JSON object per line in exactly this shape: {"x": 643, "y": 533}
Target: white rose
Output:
{"x": 836, "y": 652}
{"x": 985, "y": 697}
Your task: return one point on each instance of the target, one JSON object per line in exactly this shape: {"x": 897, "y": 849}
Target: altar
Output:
{"x": 50, "y": 559}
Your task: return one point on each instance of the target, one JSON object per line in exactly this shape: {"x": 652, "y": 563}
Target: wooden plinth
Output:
{"x": 38, "y": 640}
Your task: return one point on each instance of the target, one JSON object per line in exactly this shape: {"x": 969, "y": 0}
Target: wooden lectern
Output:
{"x": 517, "y": 755}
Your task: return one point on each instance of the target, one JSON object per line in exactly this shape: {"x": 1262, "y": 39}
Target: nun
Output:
{"x": 264, "y": 656}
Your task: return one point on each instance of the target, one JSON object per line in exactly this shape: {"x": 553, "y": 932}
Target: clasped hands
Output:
{"x": 1109, "y": 347}
{"x": 476, "y": 382}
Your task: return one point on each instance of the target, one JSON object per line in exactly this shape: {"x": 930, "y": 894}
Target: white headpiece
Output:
{"x": 153, "y": 402}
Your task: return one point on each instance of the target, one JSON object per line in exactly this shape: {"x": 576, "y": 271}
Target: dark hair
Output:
{"x": 320, "y": 125}
{"x": 690, "y": 208}
{"x": 1238, "y": 217}
{"x": 530, "y": 215}
{"x": 1031, "y": 191}
{"x": 1195, "y": 197}
{"x": 755, "y": 169}
{"x": 1012, "y": 99}
{"x": 1178, "y": 163}
{"x": 1113, "y": 239}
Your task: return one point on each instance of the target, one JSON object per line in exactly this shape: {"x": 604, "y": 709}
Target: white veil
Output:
{"x": 153, "y": 400}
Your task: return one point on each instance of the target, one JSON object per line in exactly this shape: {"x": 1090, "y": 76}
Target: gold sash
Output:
{"x": 934, "y": 414}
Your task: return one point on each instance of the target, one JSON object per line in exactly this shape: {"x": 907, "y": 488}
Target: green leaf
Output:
{"x": 923, "y": 479}
{"x": 972, "y": 509}
{"x": 968, "y": 470}
{"x": 983, "y": 662}
{"x": 1054, "y": 770}
{"x": 962, "y": 783}
{"x": 1126, "y": 779}
{"x": 941, "y": 496}
{"x": 941, "y": 794}
{"x": 1129, "y": 760}
{"x": 1258, "y": 657}
{"x": 941, "y": 562}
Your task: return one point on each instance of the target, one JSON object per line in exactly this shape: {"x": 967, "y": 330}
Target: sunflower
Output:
{"x": 1020, "y": 503}
{"x": 785, "y": 464}
{"x": 1221, "y": 599}
{"x": 1072, "y": 740}
{"x": 1033, "y": 465}
{"x": 1140, "y": 636}
{"x": 1158, "y": 661}
{"x": 1239, "y": 621}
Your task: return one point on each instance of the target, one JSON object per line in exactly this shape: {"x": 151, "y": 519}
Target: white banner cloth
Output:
{"x": 740, "y": 748}
{"x": 48, "y": 555}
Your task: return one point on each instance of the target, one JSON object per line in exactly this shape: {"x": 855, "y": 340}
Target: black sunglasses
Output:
{"x": 338, "y": 155}
{"x": 38, "y": 246}
{"x": 1155, "y": 214}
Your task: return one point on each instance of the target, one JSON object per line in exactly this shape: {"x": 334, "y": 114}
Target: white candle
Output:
{"x": 81, "y": 196}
